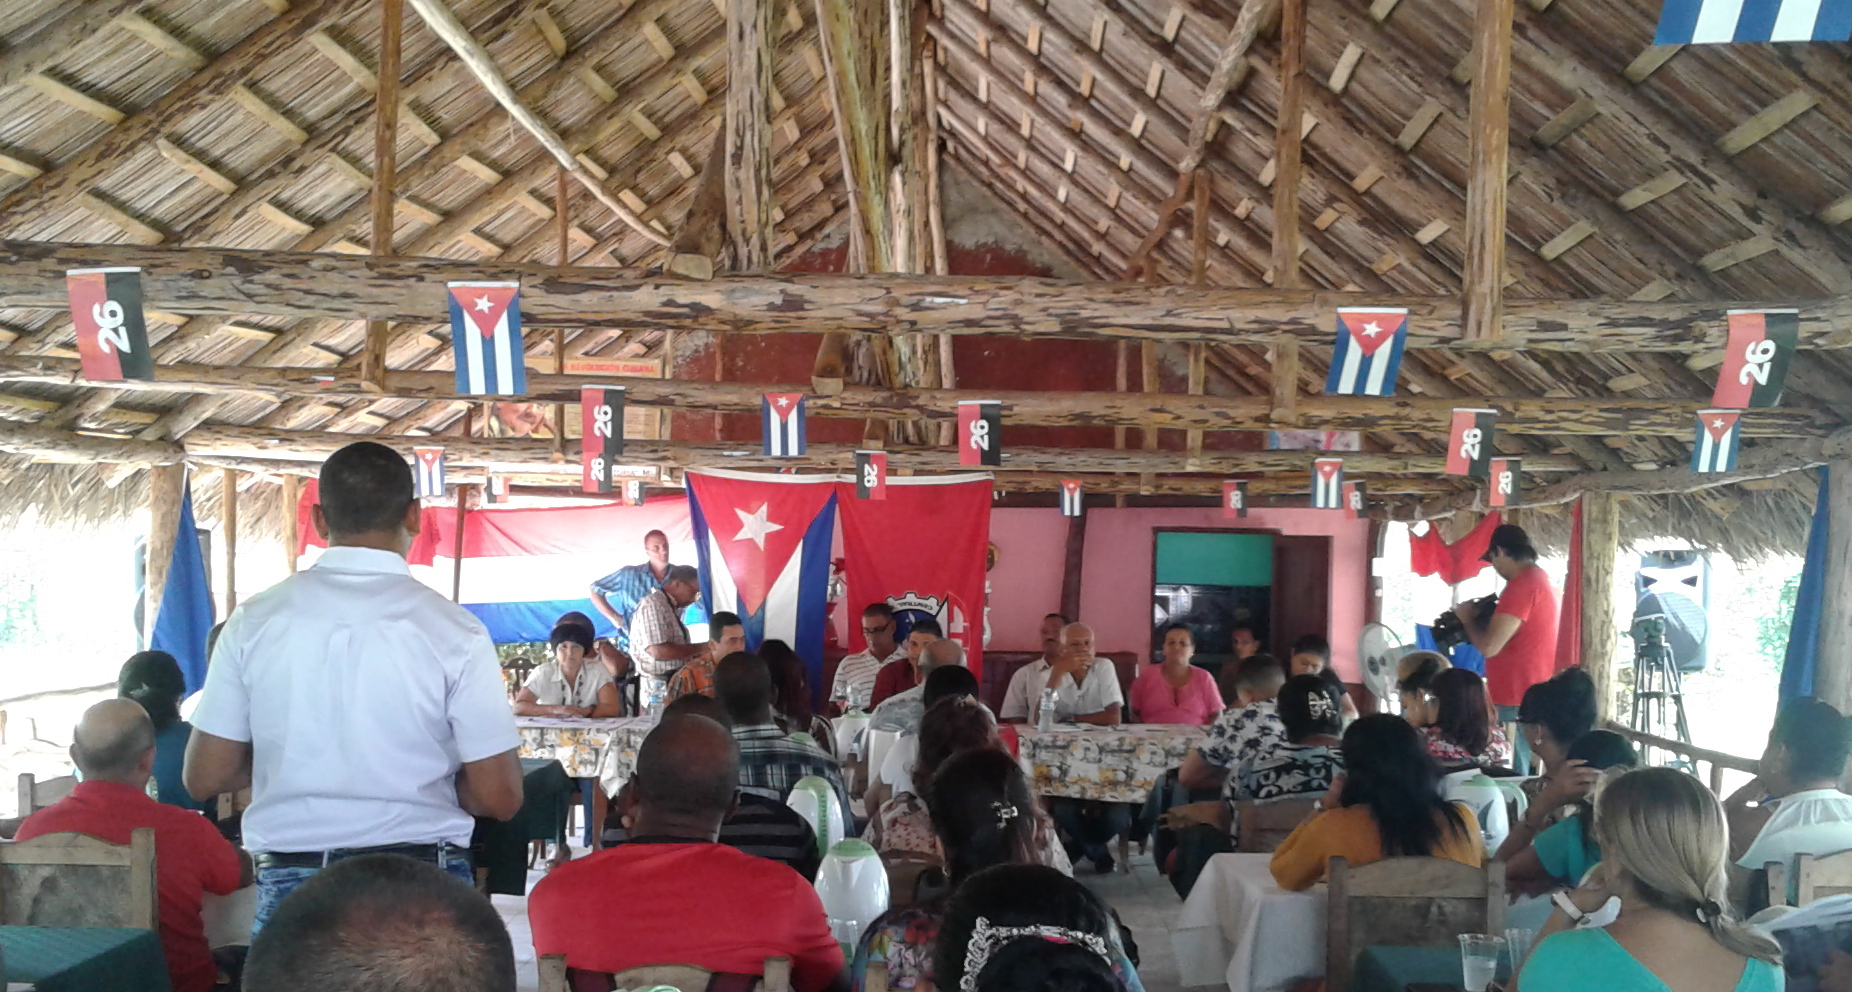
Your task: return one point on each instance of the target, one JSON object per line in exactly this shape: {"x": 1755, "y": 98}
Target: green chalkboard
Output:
{"x": 1210, "y": 558}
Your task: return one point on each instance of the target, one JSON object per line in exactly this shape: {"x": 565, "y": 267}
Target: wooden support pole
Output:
{"x": 559, "y": 409}
{"x": 166, "y": 489}
{"x": 1073, "y": 562}
{"x": 456, "y": 551}
{"x": 1600, "y": 547}
{"x": 292, "y": 533}
{"x": 747, "y": 134}
{"x": 1832, "y": 679}
{"x": 1121, "y": 382}
{"x": 562, "y": 219}
{"x": 1199, "y": 230}
{"x": 1193, "y": 439}
{"x": 1286, "y": 145}
{"x": 1488, "y": 126}
{"x": 1139, "y": 266}
{"x": 228, "y": 515}
{"x": 1148, "y": 366}
{"x": 385, "y": 173}
{"x": 1283, "y": 356}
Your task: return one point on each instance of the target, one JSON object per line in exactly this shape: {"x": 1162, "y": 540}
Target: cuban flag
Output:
{"x": 427, "y": 472}
{"x": 1719, "y": 434}
{"x": 783, "y": 434}
{"x": 1369, "y": 351}
{"x": 764, "y": 547}
{"x": 485, "y": 337}
{"x": 1328, "y": 484}
{"x": 1072, "y": 499}
{"x": 1702, "y": 22}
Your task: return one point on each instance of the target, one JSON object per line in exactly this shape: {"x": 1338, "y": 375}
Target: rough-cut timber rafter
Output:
{"x": 345, "y": 287}
{"x": 62, "y": 29}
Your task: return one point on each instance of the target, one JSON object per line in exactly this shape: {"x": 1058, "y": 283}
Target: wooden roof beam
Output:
{"x": 1231, "y": 69}
{"x": 62, "y": 28}
{"x": 1489, "y": 142}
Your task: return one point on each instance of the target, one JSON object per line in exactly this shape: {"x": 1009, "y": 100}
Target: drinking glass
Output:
{"x": 1479, "y": 959}
{"x": 1517, "y": 946}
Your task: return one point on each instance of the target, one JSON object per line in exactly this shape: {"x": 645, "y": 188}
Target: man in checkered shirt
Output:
{"x": 658, "y": 638}
{"x": 771, "y": 762}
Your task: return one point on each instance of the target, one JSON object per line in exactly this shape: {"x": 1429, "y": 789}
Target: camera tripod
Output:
{"x": 1657, "y": 683}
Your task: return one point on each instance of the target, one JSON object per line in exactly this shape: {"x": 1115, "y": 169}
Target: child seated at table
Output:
{"x": 1539, "y": 858}
{"x": 1463, "y": 734}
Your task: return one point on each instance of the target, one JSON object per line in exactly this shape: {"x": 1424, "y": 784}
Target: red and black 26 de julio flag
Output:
{"x": 1328, "y": 484}
{"x": 495, "y": 490}
{"x": 1755, "y": 361}
{"x": 112, "y": 337}
{"x": 1469, "y": 443}
{"x": 633, "y": 492}
{"x": 427, "y": 473}
{"x": 1504, "y": 479}
{"x": 1355, "y": 501}
{"x": 1073, "y": 499}
{"x": 601, "y": 439}
{"x": 1234, "y": 499}
{"x": 979, "y": 422}
{"x": 871, "y": 475}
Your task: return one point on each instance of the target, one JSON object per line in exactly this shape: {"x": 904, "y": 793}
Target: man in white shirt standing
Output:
{"x": 1794, "y": 806}
{"x": 365, "y": 711}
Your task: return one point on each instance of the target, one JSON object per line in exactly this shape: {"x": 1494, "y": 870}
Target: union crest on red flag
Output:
{"x": 485, "y": 338}
{"x": 1714, "y": 447}
{"x": 1755, "y": 360}
{"x": 979, "y": 422}
{"x": 1368, "y": 355}
{"x": 1505, "y": 482}
{"x": 112, "y": 335}
{"x": 1469, "y": 443}
{"x": 1234, "y": 499}
{"x": 871, "y": 475}
{"x": 1355, "y": 500}
{"x": 1328, "y": 484}
{"x": 427, "y": 472}
{"x": 1073, "y": 500}
{"x": 601, "y": 437}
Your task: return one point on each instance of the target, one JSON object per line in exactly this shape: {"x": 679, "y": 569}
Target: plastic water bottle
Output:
{"x": 1045, "y": 712}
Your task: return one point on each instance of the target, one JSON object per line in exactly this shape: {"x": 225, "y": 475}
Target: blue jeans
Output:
{"x": 1520, "y": 745}
{"x": 1091, "y": 824}
{"x": 273, "y": 884}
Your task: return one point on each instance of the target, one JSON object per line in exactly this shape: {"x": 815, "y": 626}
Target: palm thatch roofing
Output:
{"x": 1637, "y": 173}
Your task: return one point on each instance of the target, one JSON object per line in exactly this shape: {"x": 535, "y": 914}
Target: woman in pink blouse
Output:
{"x": 1175, "y": 691}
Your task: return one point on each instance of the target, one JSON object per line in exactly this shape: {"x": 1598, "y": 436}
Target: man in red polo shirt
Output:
{"x": 670, "y": 894}
{"x": 1519, "y": 642}
{"x": 114, "y": 748}
{"x": 901, "y": 674}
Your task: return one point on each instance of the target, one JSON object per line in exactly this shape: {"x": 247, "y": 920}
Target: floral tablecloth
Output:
{"x": 579, "y": 745}
{"x": 1113, "y": 764}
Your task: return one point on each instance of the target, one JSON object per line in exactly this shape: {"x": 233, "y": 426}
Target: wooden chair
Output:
{"x": 904, "y": 869}
{"x": 1815, "y": 878}
{"x": 556, "y": 977}
{"x": 1264, "y": 826}
{"x": 1406, "y": 902}
{"x": 35, "y": 795}
{"x": 72, "y": 880}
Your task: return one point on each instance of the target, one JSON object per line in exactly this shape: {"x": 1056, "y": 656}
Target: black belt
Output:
{"x": 433, "y": 853}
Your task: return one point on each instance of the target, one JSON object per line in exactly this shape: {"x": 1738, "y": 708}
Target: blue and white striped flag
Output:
{"x": 1709, "y": 22}
{"x": 784, "y": 424}
{"x": 485, "y": 335}
{"x": 1369, "y": 351}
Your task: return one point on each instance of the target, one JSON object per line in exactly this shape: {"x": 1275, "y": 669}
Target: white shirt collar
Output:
{"x": 348, "y": 559}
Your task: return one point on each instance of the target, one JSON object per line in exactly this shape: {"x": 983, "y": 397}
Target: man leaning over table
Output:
{"x": 659, "y": 638}
{"x": 365, "y": 711}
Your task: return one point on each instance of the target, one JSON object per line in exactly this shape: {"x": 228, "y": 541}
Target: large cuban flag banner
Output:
{"x": 764, "y": 545}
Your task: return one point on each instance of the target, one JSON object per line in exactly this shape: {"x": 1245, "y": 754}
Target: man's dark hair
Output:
{"x": 688, "y": 766}
{"x": 382, "y": 923}
{"x": 1059, "y": 616}
{"x": 365, "y": 487}
{"x": 718, "y": 623}
{"x": 1240, "y": 626}
{"x": 1513, "y": 541}
{"x": 681, "y": 573}
{"x": 927, "y": 625}
{"x": 881, "y": 610}
{"x": 946, "y": 681}
{"x": 1260, "y": 672}
{"x": 655, "y": 533}
{"x": 1313, "y": 644}
{"x": 696, "y": 704}
{"x": 1815, "y": 737}
{"x": 743, "y": 684}
{"x": 569, "y": 633}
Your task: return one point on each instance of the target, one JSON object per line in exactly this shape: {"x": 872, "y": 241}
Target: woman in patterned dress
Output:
{"x": 1312, "y": 710}
{"x": 1464, "y": 734}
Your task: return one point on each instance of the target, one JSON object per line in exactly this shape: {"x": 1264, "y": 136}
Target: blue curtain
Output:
{"x": 1804, "y": 634}
{"x": 186, "y": 603}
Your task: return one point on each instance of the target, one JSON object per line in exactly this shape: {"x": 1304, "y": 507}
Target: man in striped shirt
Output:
{"x": 771, "y": 762}
{"x": 855, "y": 675}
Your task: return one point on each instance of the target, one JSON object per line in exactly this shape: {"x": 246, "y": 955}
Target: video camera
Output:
{"x": 1450, "y": 630}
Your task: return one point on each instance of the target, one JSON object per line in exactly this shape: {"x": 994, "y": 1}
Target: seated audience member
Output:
{"x": 1175, "y": 691}
{"x": 153, "y": 679}
{"x": 1385, "y": 805}
{"x": 567, "y": 686}
{"x": 770, "y": 762}
{"x": 895, "y": 775}
{"x": 1245, "y": 644}
{"x": 1242, "y": 731}
{"x": 725, "y": 635}
{"x": 607, "y": 654}
{"x": 1311, "y": 655}
{"x": 1797, "y": 806}
{"x": 1539, "y": 858}
{"x": 792, "y": 702}
{"x": 1553, "y": 715}
{"x": 986, "y": 816}
{"x": 1015, "y": 928}
{"x": 758, "y": 825}
{"x": 382, "y": 923}
{"x": 900, "y": 713}
{"x": 905, "y": 673}
{"x": 114, "y": 748}
{"x": 1462, "y": 734}
{"x": 670, "y": 894}
{"x": 1414, "y": 686}
{"x": 1664, "y": 849}
{"x": 1086, "y": 686}
{"x": 856, "y": 673}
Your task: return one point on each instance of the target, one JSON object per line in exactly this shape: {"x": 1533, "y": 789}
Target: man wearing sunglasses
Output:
{"x": 856, "y": 674}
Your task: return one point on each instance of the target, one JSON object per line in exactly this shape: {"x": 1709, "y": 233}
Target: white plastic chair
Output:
{"x": 852, "y": 885}
{"x": 815, "y": 801}
{"x": 1482, "y": 795}
{"x": 879, "y": 743}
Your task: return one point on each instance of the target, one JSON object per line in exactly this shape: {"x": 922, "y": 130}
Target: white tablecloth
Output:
{"x": 1241, "y": 928}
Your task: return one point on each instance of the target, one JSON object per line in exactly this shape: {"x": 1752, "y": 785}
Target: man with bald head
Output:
{"x": 1086, "y": 686}
{"x": 901, "y": 712}
{"x": 113, "y": 747}
{"x": 671, "y": 893}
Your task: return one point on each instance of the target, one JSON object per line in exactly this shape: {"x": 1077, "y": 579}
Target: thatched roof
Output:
{"x": 1702, "y": 173}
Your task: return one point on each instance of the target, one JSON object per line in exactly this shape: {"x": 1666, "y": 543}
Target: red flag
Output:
{"x": 923, "y": 552}
{"x": 1756, "y": 357}
{"x": 871, "y": 475}
{"x": 979, "y": 422}
{"x": 1234, "y": 499}
{"x": 1469, "y": 442}
{"x": 112, "y": 335}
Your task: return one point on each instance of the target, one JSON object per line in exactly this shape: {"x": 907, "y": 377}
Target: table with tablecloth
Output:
{"x": 501, "y": 847}
{"x": 84, "y": 959}
{"x": 1240, "y": 928}
{"x": 1111, "y": 764}
{"x": 577, "y": 744}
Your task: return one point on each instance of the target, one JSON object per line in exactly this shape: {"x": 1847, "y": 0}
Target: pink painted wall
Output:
{"x": 1116, "y": 575}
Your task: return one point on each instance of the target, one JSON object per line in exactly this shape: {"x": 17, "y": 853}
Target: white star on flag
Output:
{"x": 1372, "y": 329}
{"x": 483, "y": 304}
{"x": 755, "y": 526}
{"x": 1718, "y": 423}
{"x": 783, "y": 401}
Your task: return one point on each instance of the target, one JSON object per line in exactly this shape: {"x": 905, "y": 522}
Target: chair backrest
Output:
{"x": 35, "y": 795}
{"x": 1263, "y": 826}
{"x": 815, "y": 800}
{"x": 879, "y": 743}
{"x": 515, "y": 672}
{"x": 556, "y": 977}
{"x": 1407, "y": 902}
{"x": 904, "y": 869}
{"x": 1815, "y": 878}
{"x": 72, "y": 880}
